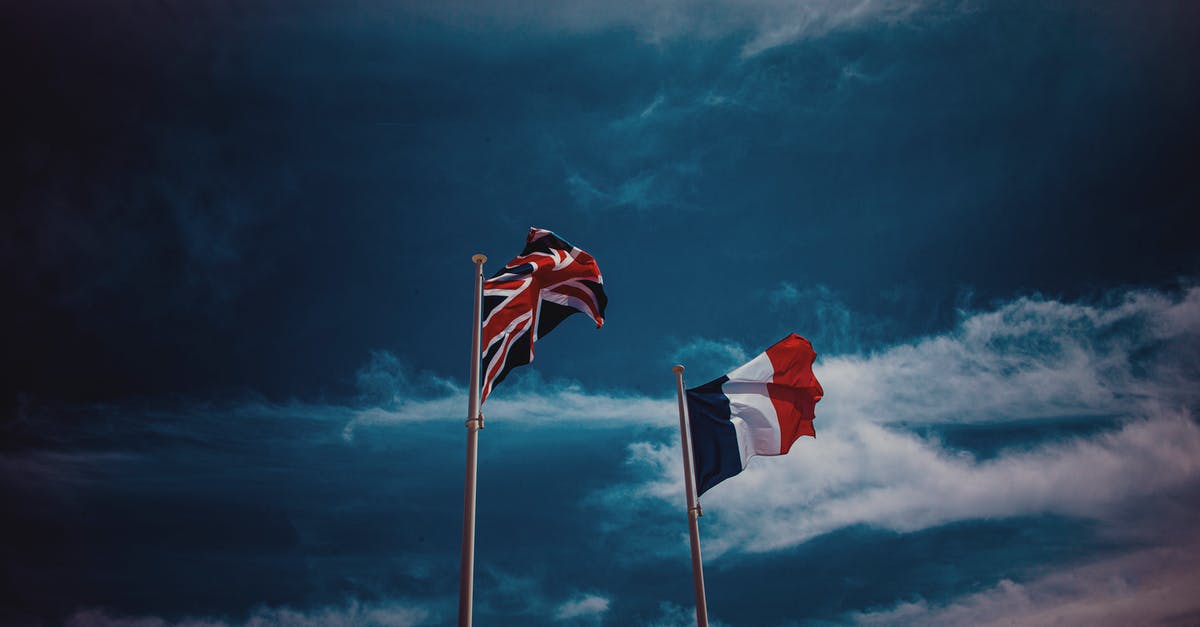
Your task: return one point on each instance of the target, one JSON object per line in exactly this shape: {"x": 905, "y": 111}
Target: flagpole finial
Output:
{"x": 479, "y": 258}
{"x": 677, "y": 368}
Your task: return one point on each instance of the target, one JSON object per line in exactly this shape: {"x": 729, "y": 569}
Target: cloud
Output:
{"x": 387, "y": 381}
{"x": 778, "y": 23}
{"x": 1029, "y": 362}
{"x": 826, "y": 317}
{"x": 881, "y": 459}
{"x": 1033, "y": 361}
{"x": 1150, "y": 587}
{"x": 1029, "y": 358}
{"x": 640, "y": 184}
{"x": 643, "y": 190}
{"x": 715, "y": 355}
{"x": 871, "y": 475}
{"x": 274, "y": 488}
{"x": 529, "y": 402}
{"x": 525, "y": 599}
{"x": 390, "y": 614}
{"x": 764, "y": 24}
{"x": 586, "y": 606}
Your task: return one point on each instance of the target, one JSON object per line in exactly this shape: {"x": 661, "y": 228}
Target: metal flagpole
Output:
{"x": 466, "y": 582}
{"x": 694, "y": 511}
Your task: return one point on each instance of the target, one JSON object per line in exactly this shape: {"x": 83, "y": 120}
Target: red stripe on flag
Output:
{"x": 794, "y": 389}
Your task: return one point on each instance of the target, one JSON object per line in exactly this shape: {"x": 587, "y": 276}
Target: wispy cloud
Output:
{"x": 764, "y": 24}
{"x": 644, "y": 190}
{"x": 391, "y": 392}
{"x": 387, "y": 381}
{"x": 553, "y": 402}
{"x": 818, "y": 310}
{"x": 779, "y": 23}
{"x": 643, "y": 186}
{"x": 715, "y": 355}
{"x": 583, "y": 607}
{"x": 1031, "y": 357}
{"x": 524, "y": 598}
{"x": 394, "y": 614}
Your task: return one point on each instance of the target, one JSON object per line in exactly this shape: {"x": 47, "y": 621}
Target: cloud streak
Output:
{"x": 529, "y": 402}
{"x": 393, "y": 614}
{"x": 765, "y": 24}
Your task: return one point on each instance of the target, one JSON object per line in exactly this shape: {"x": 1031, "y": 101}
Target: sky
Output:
{"x": 236, "y": 247}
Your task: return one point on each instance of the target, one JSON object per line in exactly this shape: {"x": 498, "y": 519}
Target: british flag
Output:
{"x": 525, "y": 300}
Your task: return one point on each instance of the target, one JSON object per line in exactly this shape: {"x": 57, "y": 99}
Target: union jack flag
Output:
{"x": 525, "y": 300}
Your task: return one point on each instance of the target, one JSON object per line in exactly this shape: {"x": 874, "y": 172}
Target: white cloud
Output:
{"x": 1151, "y": 587}
{"x": 866, "y": 474}
{"x": 586, "y": 606}
{"x": 1032, "y": 359}
{"x": 1029, "y": 358}
{"x": 779, "y": 22}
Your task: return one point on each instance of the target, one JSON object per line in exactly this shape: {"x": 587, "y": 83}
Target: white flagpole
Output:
{"x": 466, "y": 582}
{"x": 693, "y": 505}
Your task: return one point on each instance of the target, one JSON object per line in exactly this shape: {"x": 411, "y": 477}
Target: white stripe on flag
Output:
{"x": 742, "y": 431}
{"x": 757, "y": 369}
{"x": 750, "y": 402}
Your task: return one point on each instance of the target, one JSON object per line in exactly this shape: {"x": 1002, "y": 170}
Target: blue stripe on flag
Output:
{"x": 715, "y": 454}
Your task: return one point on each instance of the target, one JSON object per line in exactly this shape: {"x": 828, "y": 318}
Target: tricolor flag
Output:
{"x": 526, "y": 299}
{"x": 760, "y": 408}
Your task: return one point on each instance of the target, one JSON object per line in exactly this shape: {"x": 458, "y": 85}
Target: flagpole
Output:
{"x": 466, "y": 582}
{"x": 693, "y": 505}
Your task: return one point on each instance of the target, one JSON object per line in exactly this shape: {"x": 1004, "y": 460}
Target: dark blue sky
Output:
{"x": 236, "y": 248}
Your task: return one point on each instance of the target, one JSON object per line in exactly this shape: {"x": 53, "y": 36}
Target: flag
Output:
{"x": 525, "y": 300}
{"x": 760, "y": 408}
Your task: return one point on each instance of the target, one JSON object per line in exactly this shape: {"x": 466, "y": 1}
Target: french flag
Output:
{"x": 760, "y": 408}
